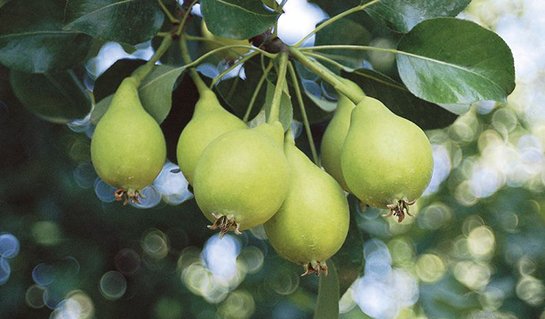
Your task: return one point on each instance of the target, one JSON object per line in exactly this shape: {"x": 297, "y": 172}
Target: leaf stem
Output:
{"x": 141, "y": 72}
{"x": 256, "y": 92}
{"x": 306, "y": 122}
{"x": 199, "y": 83}
{"x": 334, "y": 19}
{"x": 169, "y": 15}
{"x": 232, "y": 67}
{"x": 246, "y": 46}
{"x": 354, "y": 47}
{"x": 334, "y": 63}
{"x": 278, "y": 90}
{"x": 326, "y": 74}
{"x": 184, "y": 18}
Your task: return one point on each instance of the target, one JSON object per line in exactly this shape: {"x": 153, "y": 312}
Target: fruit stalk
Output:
{"x": 326, "y": 75}
{"x": 306, "y": 122}
{"x": 140, "y": 73}
{"x": 280, "y": 83}
{"x": 199, "y": 83}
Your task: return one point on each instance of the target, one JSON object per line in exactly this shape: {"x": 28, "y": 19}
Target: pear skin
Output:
{"x": 128, "y": 148}
{"x": 209, "y": 121}
{"x": 386, "y": 160}
{"x": 335, "y": 134}
{"x": 312, "y": 223}
{"x": 241, "y": 178}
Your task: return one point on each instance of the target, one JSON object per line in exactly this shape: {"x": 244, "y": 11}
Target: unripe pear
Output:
{"x": 128, "y": 148}
{"x": 386, "y": 160}
{"x": 312, "y": 223}
{"x": 335, "y": 134}
{"x": 209, "y": 121}
{"x": 241, "y": 178}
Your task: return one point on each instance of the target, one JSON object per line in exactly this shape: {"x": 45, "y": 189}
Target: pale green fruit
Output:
{"x": 386, "y": 160}
{"x": 209, "y": 121}
{"x": 128, "y": 148}
{"x": 335, "y": 134}
{"x": 312, "y": 223}
{"x": 241, "y": 178}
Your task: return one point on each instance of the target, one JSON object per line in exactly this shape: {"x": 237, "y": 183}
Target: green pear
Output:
{"x": 241, "y": 178}
{"x": 386, "y": 160}
{"x": 209, "y": 121}
{"x": 312, "y": 223}
{"x": 128, "y": 148}
{"x": 335, "y": 134}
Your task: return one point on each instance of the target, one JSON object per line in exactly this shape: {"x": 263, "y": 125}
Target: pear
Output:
{"x": 241, "y": 178}
{"x": 209, "y": 121}
{"x": 312, "y": 223}
{"x": 335, "y": 134}
{"x": 386, "y": 160}
{"x": 128, "y": 148}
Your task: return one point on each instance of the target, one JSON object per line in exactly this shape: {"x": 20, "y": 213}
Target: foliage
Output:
{"x": 70, "y": 241}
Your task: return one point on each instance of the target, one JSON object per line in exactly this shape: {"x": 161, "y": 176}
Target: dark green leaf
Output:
{"x": 32, "y": 39}
{"x": 129, "y": 21}
{"x": 336, "y": 7}
{"x": 107, "y": 82}
{"x": 155, "y": 93}
{"x": 349, "y": 259}
{"x": 56, "y": 97}
{"x": 327, "y": 304}
{"x": 237, "y": 19}
{"x": 156, "y": 90}
{"x": 452, "y": 61}
{"x": 344, "y": 31}
{"x": 286, "y": 109}
{"x": 403, "y": 15}
{"x": 402, "y": 102}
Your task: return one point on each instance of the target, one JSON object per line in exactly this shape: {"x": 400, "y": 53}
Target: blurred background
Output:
{"x": 475, "y": 248}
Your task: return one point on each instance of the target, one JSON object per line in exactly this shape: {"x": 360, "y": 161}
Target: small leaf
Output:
{"x": 348, "y": 32}
{"x": 403, "y": 15}
{"x": 129, "y": 21}
{"x": 55, "y": 97}
{"x": 156, "y": 90}
{"x": 32, "y": 39}
{"x": 155, "y": 93}
{"x": 400, "y": 101}
{"x": 452, "y": 61}
{"x": 237, "y": 19}
{"x": 286, "y": 109}
{"x": 327, "y": 304}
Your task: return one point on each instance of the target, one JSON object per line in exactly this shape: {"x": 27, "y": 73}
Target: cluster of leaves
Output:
{"x": 439, "y": 64}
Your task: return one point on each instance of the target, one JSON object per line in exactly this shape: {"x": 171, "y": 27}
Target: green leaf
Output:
{"x": 336, "y": 7}
{"x": 129, "y": 21}
{"x": 56, "y": 97}
{"x": 403, "y": 15}
{"x": 155, "y": 93}
{"x": 327, "y": 304}
{"x": 286, "y": 109}
{"x": 400, "y": 101}
{"x": 156, "y": 90}
{"x": 237, "y": 19}
{"x": 349, "y": 259}
{"x": 32, "y": 39}
{"x": 344, "y": 31}
{"x": 452, "y": 61}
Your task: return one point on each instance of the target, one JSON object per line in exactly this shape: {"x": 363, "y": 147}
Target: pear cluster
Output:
{"x": 383, "y": 159}
{"x": 245, "y": 177}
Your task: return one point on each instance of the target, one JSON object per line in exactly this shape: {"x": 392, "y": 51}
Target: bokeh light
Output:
{"x": 113, "y": 285}
{"x": 9, "y": 246}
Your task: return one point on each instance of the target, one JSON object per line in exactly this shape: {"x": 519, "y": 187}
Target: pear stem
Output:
{"x": 199, "y": 83}
{"x": 169, "y": 15}
{"x": 232, "y": 67}
{"x": 306, "y": 122}
{"x": 326, "y": 75}
{"x": 334, "y": 19}
{"x": 141, "y": 72}
{"x": 279, "y": 89}
{"x": 256, "y": 92}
